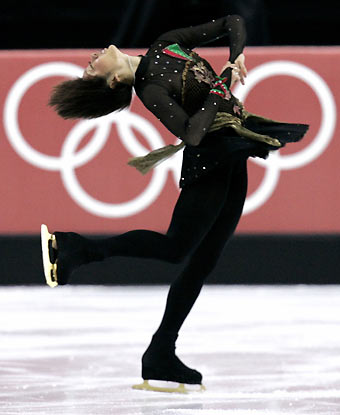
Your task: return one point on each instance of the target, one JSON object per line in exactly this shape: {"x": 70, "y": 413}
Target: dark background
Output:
{"x": 136, "y": 23}
{"x": 248, "y": 259}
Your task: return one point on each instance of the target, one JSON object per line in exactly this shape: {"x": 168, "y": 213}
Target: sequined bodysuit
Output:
{"x": 176, "y": 90}
{"x": 159, "y": 79}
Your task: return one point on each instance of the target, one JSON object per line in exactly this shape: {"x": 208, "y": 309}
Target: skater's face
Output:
{"x": 104, "y": 63}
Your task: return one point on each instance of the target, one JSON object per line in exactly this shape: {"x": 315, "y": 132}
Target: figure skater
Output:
{"x": 218, "y": 135}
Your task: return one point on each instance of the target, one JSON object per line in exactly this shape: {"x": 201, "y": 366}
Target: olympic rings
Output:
{"x": 126, "y": 121}
{"x": 276, "y": 161}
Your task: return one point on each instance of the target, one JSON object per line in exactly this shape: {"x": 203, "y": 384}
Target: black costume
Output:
{"x": 175, "y": 83}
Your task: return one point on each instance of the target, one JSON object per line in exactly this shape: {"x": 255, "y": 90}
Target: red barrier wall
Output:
{"x": 73, "y": 174}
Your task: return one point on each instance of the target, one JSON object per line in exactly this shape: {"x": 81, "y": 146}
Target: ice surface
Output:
{"x": 263, "y": 350}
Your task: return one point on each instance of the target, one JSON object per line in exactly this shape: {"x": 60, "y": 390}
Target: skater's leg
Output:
{"x": 160, "y": 355}
{"x": 194, "y": 214}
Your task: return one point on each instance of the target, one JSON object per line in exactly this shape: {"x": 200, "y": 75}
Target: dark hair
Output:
{"x": 89, "y": 98}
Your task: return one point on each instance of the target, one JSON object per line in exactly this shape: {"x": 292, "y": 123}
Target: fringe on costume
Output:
{"x": 145, "y": 163}
{"x": 223, "y": 119}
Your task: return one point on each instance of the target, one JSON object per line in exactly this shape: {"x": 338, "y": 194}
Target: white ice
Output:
{"x": 263, "y": 350}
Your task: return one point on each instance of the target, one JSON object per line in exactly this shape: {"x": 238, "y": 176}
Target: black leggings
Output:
{"x": 205, "y": 216}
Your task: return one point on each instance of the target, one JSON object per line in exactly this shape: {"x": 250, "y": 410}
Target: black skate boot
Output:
{"x": 60, "y": 262}
{"x": 160, "y": 363}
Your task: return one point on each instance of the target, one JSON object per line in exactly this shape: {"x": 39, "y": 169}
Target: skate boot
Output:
{"x": 62, "y": 253}
{"x": 49, "y": 257}
{"x": 160, "y": 363}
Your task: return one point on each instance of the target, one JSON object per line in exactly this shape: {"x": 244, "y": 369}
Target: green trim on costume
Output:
{"x": 175, "y": 49}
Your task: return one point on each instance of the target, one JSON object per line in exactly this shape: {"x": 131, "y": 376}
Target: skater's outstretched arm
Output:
{"x": 231, "y": 27}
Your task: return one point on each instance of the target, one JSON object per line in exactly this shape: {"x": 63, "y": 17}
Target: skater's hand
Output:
{"x": 239, "y": 70}
{"x": 241, "y": 67}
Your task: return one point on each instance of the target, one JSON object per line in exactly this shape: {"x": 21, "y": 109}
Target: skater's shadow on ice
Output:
{"x": 164, "y": 409}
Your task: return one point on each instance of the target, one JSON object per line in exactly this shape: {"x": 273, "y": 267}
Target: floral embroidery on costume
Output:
{"x": 202, "y": 74}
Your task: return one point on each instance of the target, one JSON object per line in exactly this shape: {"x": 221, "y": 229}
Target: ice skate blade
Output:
{"x": 181, "y": 388}
{"x": 50, "y": 269}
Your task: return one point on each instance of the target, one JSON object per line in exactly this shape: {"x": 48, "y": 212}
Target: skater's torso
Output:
{"x": 173, "y": 82}
{"x": 184, "y": 84}
{"x": 174, "y": 85}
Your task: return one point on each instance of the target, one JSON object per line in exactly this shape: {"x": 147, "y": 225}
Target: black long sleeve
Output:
{"x": 192, "y": 129}
{"x": 232, "y": 27}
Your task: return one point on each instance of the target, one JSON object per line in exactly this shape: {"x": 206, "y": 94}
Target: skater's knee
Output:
{"x": 176, "y": 257}
{"x": 178, "y": 254}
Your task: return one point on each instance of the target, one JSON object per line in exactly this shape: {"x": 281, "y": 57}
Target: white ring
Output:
{"x": 11, "y": 110}
{"x": 322, "y": 138}
{"x": 89, "y": 203}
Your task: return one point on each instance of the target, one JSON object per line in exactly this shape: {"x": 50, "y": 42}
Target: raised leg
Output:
{"x": 195, "y": 212}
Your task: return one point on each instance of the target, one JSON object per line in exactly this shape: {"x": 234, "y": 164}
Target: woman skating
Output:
{"x": 185, "y": 94}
